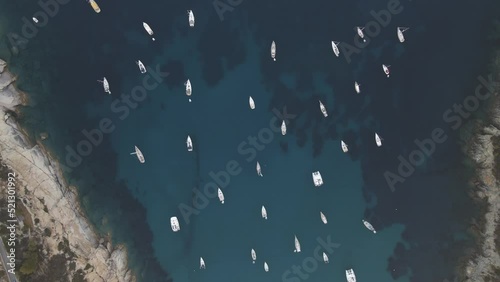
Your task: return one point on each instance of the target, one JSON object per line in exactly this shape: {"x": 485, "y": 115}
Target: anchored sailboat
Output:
{"x": 189, "y": 90}
{"x": 335, "y": 48}
{"x": 386, "y": 69}
{"x": 174, "y": 223}
{"x": 189, "y": 144}
{"x": 273, "y": 50}
{"x": 259, "y": 171}
{"x": 323, "y": 217}
{"x": 378, "y": 140}
{"x": 266, "y": 267}
{"x": 283, "y": 128}
{"x": 105, "y": 85}
{"x": 251, "y": 103}
{"x": 343, "y": 146}
{"x": 297, "y": 245}
{"x": 356, "y": 87}
{"x": 191, "y": 18}
{"x": 400, "y": 33}
{"x": 264, "y": 213}
{"x": 202, "y": 263}
{"x": 325, "y": 258}
{"x": 369, "y": 226}
{"x": 221, "y": 195}
{"x": 139, "y": 155}
{"x": 254, "y": 255}
{"x": 141, "y": 66}
{"x": 360, "y": 33}
{"x": 148, "y": 30}
{"x": 323, "y": 109}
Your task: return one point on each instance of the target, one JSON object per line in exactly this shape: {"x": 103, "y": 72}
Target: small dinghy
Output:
{"x": 386, "y": 69}
{"x": 174, "y": 223}
{"x": 264, "y": 213}
{"x": 35, "y": 20}
{"x": 400, "y": 33}
{"x": 254, "y": 255}
{"x": 323, "y": 109}
{"x": 191, "y": 18}
{"x": 189, "y": 90}
{"x": 356, "y": 87}
{"x": 317, "y": 179}
{"x": 266, "y": 267}
{"x": 105, "y": 85}
{"x": 378, "y": 140}
{"x": 148, "y": 30}
{"x": 369, "y": 226}
{"x": 189, "y": 144}
{"x": 221, "y": 195}
{"x": 139, "y": 155}
{"x": 202, "y": 263}
{"x": 283, "y": 128}
{"x": 297, "y": 245}
{"x": 349, "y": 274}
{"x": 323, "y": 217}
{"x": 251, "y": 103}
{"x": 273, "y": 50}
{"x": 343, "y": 146}
{"x": 141, "y": 66}
{"x": 335, "y": 48}
{"x": 360, "y": 33}
{"x": 259, "y": 171}
{"x": 325, "y": 258}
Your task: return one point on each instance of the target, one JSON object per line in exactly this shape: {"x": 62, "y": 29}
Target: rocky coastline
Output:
{"x": 62, "y": 243}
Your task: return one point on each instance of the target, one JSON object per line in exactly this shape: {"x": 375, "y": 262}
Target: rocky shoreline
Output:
{"x": 50, "y": 217}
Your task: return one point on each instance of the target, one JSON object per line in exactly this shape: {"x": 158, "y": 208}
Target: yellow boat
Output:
{"x": 95, "y": 6}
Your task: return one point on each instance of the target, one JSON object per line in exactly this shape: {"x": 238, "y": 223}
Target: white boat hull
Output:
{"x": 221, "y": 196}
{"x": 344, "y": 147}
{"x": 139, "y": 155}
{"x": 273, "y": 51}
{"x": 283, "y": 128}
{"x": 189, "y": 144}
{"x": 323, "y": 217}
{"x": 174, "y": 223}
{"x": 142, "y": 69}
{"x": 317, "y": 179}
{"x": 202, "y": 263}
{"x": 360, "y": 33}
{"x": 191, "y": 18}
{"x": 349, "y": 274}
{"x": 266, "y": 267}
{"x": 323, "y": 109}
{"x": 259, "y": 171}
{"x": 148, "y": 30}
{"x": 254, "y": 256}
{"x": 264, "y": 213}
{"x": 297, "y": 245}
{"x": 356, "y": 87}
{"x": 369, "y": 226}
{"x": 386, "y": 70}
{"x": 325, "y": 258}
{"x": 251, "y": 103}
{"x": 335, "y": 48}
{"x": 378, "y": 141}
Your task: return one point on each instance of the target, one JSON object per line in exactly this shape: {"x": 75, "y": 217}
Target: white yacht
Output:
{"x": 189, "y": 144}
{"x": 369, "y": 226}
{"x": 105, "y": 85}
{"x": 273, "y": 50}
{"x": 343, "y": 146}
{"x": 174, "y": 223}
{"x": 400, "y": 33}
{"x": 297, "y": 245}
{"x": 323, "y": 217}
{"x": 139, "y": 155}
{"x": 221, "y": 195}
{"x": 141, "y": 66}
{"x": 254, "y": 255}
{"x": 191, "y": 18}
{"x": 283, "y": 128}
{"x": 323, "y": 109}
{"x": 264, "y": 213}
{"x": 386, "y": 69}
{"x": 35, "y": 20}
{"x": 378, "y": 140}
{"x": 148, "y": 30}
{"x": 189, "y": 90}
{"x": 266, "y": 267}
{"x": 349, "y": 274}
{"x": 325, "y": 258}
{"x": 317, "y": 179}
{"x": 251, "y": 103}
{"x": 259, "y": 171}
{"x": 335, "y": 48}
{"x": 356, "y": 87}
{"x": 360, "y": 33}
{"x": 202, "y": 263}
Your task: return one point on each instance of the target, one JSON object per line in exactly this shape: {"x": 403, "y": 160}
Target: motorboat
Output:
{"x": 400, "y": 33}
{"x": 325, "y": 258}
{"x": 349, "y": 274}
{"x": 266, "y": 267}
{"x": 259, "y": 171}
{"x": 297, "y": 245}
{"x": 174, "y": 223}
{"x": 386, "y": 69}
{"x": 369, "y": 226}
{"x": 191, "y": 18}
{"x": 94, "y": 6}
{"x": 323, "y": 217}
{"x": 335, "y": 48}
{"x": 189, "y": 144}
{"x": 139, "y": 155}
{"x": 273, "y": 50}
{"x": 360, "y": 33}
{"x": 254, "y": 255}
{"x": 105, "y": 85}
{"x": 141, "y": 66}
{"x": 283, "y": 128}
{"x": 264, "y": 213}
{"x": 343, "y": 146}
{"x": 148, "y": 30}
{"x": 317, "y": 179}
{"x": 35, "y": 20}
{"x": 202, "y": 263}
{"x": 221, "y": 195}
{"x": 356, "y": 87}
{"x": 251, "y": 103}
{"x": 323, "y": 109}
{"x": 378, "y": 140}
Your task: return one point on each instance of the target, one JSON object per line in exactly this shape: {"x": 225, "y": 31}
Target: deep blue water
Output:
{"x": 421, "y": 226}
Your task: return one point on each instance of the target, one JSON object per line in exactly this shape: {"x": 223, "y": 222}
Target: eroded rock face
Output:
{"x": 51, "y": 201}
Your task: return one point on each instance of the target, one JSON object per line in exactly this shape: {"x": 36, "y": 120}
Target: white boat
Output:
{"x": 191, "y": 18}
{"x": 189, "y": 144}
{"x": 254, "y": 255}
{"x": 174, "y": 223}
{"x": 148, "y": 30}
{"x": 369, "y": 226}
{"x": 360, "y": 33}
{"x": 189, "y": 90}
{"x": 251, "y": 102}
{"x": 35, "y": 20}
{"x": 317, "y": 179}
{"x": 335, "y": 48}
{"x": 273, "y": 50}
{"x": 323, "y": 217}
{"x": 323, "y": 109}
{"x": 221, "y": 195}
{"x": 343, "y": 146}
{"x": 105, "y": 85}
{"x": 356, "y": 87}
{"x": 283, "y": 128}
{"x": 139, "y": 155}
{"x": 386, "y": 69}
{"x": 297, "y": 245}
{"x": 202, "y": 263}
{"x": 266, "y": 267}
{"x": 400, "y": 33}
{"x": 264, "y": 213}
{"x": 349, "y": 274}
{"x": 259, "y": 171}
{"x": 378, "y": 140}
{"x": 325, "y": 258}
{"x": 141, "y": 66}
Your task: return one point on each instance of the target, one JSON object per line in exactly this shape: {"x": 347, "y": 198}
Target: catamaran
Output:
{"x": 141, "y": 66}
{"x": 35, "y": 20}
{"x": 105, "y": 85}
{"x": 349, "y": 274}
{"x": 259, "y": 171}
{"x": 378, "y": 140}
{"x": 400, "y": 33}
{"x": 356, "y": 87}
{"x": 221, "y": 195}
{"x": 317, "y": 179}
{"x": 148, "y": 30}
{"x": 369, "y": 226}
{"x": 360, "y": 33}
{"x": 343, "y": 146}
{"x": 297, "y": 245}
{"x": 323, "y": 109}
{"x": 94, "y": 6}
{"x": 264, "y": 213}
{"x": 251, "y": 102}
{"x": 189, "y": 144}
{"x": 323, "y": 217}
{"x": 174, "y": 223}
{"x": 335, "y": 48}
{"x": 191, "y": 18}
{"x": 283, "y": 128}
{"x": 139, "y": 155}
{"x": 254, "y": 255}
{"x": 266, "y": 267}
{"x": 325, "y": 257}
{"x": 202, "y": 263}
{"x": 386, "y": 69}
{"x": 273, "y": 50}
